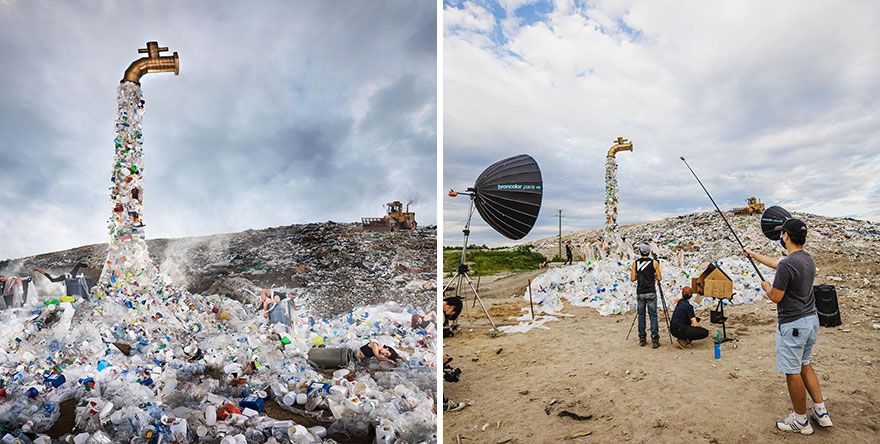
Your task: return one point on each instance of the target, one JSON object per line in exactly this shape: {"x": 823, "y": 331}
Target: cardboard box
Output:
{"x": 712, "y": 283}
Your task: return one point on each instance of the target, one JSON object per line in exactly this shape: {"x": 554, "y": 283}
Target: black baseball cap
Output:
{"x": 795, "y": 228}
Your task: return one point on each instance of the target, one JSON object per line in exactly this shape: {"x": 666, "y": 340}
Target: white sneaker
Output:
{"x": 791, "y": 424}
{"x": 824, "y": 419}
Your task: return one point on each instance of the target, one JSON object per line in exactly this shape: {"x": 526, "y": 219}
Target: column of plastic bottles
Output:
{"x": 609, "y": 243}
{"x": 128, "y": 269}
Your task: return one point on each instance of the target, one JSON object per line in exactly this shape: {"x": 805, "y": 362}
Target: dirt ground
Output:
{"x": 540, "y": 386}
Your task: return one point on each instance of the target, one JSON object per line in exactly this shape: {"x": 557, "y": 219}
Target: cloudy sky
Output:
{"x": 284, "y": 112}
{"x": 779, "y": 100}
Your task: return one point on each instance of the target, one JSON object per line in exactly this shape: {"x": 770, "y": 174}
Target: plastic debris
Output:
{"x": 685, "y": 245}
{"x": 175, "y": 381}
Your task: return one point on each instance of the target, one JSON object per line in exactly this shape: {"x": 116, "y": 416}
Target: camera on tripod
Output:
{"x": 451, "y": 374}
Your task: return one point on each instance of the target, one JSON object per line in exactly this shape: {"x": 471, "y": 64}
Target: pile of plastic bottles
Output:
{"x": 605, "y": 285}
{"x": 173, "y": 366}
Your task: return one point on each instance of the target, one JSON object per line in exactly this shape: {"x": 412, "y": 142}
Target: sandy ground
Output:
{"x": 520, "y": 383}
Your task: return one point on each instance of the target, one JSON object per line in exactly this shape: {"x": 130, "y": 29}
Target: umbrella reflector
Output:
{"x": 771, "y": 222}
{"x": 508, "y": 195}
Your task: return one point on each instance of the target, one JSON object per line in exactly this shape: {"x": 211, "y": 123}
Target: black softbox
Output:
{"x": 508, "y": 195}
{"x": 772, "y": 220}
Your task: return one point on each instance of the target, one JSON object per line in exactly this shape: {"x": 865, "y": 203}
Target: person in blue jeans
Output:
{"x": 645, "y": 271}
{"x": 798, "y": 327}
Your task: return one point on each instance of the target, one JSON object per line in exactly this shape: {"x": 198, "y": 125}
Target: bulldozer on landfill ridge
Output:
{"x": 754, "y": 206}
{"x": 395, "y": 219}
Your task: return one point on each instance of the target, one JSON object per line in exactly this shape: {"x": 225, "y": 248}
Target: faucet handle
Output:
{"x": 147, "y": 50}
{"x": 152, "y": 49}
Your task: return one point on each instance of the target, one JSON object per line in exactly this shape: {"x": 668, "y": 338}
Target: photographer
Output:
{"x": 451, "y": 375}
{"x": 646, "y": 270}
{"x": 452, "y": 307}
{"x": 798, "y": 327}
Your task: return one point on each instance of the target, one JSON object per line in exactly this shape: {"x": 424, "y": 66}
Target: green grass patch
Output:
{"x": 483, "y": 262}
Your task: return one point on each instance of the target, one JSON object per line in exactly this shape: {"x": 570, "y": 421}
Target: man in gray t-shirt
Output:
{"x": 794, "y": 276}
{"x": 798, "y": 327}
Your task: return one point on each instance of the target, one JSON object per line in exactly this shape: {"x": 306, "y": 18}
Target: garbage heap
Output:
{"x": 128, "y": 268}
{"x": 685, "y": 246}
{"x": 339, "y": 265}
{"x": 175, "y": 366}
{"x": 704, "y": 237}
{"x": 605, "y": 285}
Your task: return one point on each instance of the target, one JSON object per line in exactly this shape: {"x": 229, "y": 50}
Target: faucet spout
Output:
{"x": 153, "y": 62}
{"x": 621, "y": 145}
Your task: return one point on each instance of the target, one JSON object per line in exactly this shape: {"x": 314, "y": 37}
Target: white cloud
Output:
{"x": 471, "y": 17}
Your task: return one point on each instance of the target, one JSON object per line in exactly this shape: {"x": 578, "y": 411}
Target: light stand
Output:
{"x": 717, "y": 317}
{"x": 461, "y": 274}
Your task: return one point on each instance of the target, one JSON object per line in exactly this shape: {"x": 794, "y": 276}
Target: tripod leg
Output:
{"x": 461, "y": 277}
{"x": 632, "y": 325}
{"x": 450, "y": 282}
{"x": 666, "y": 316}
{"x": 477, "y": 295}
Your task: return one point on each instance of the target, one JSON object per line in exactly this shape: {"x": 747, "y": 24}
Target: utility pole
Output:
{"x": 560, "y": 233}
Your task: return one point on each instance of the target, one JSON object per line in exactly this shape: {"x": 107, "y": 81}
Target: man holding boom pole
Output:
{"x": 792, "y": 291}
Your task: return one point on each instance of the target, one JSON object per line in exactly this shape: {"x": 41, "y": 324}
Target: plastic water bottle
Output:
{"x": 717, "y": 350}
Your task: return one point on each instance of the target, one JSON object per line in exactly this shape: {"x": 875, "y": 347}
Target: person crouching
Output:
{"x": 685, "y": 325}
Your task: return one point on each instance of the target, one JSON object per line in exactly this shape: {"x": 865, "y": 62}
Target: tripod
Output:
{"x": 461, "y": 274}
{"x": 665, "y": 312}
{"x": 717, "y": 317}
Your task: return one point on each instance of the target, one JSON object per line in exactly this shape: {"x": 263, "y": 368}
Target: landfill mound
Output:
{"x": 703, "y": 237}
{"x": 338, "y": 265}
{"x": 174, "y": 366}
{"x": 685, "y": 245}
{"x": 197, "y": 361}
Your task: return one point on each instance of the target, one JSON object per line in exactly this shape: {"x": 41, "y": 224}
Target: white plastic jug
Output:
{"x": 384, "y": 435}
{"x": 289, "y": 399}
{"x": 210, "y": 416}
{"x": 318, "y": 431}
{"x": 354, "y": 404}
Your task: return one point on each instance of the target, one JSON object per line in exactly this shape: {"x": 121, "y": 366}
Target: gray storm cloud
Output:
{"x": 284, "y": 112}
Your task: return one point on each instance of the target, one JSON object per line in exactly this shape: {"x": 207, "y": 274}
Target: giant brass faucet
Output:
{"x": 153, "y": 62}
{"x": 621, "y": 145}
{"x": 129, "y": 269}
{"x": 609, "y": 241}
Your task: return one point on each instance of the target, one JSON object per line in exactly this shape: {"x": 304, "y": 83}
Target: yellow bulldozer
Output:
{"x": 754, "y": 206}
{"x": 395, "y": 219}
